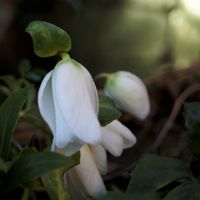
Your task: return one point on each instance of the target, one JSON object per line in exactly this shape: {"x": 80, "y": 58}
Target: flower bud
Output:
{"x": 129, "y": 93}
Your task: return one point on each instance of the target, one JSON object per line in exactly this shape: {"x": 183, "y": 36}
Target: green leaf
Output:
{"x": 30, "y": 96}
{"x": 24, "y": 67}
{"x": 53, "y": 183}
{"x": 48, "y": 39}
{"x": 124, "y": 196}
{"x": 187, "y": 191}
{"x": 192, "y": 122}
{"x": 107, "y": 110}
{"x": 11, "y": 82}
{"x": 4, "y": 166}
{"x": 36, "y": 74}
{"x": 9, "y": 114}
{"x": 154, "y": 172}
{"x": 114, "y": 196}
{"x": 32, "y": 164}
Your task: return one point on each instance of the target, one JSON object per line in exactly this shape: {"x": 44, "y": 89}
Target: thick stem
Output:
{"x": 26, "y": 194}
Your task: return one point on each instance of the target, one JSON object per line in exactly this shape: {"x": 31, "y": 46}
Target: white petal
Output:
{"x": 128, "y": 137}
{"x": 75, "y": 94}
{"x": 129, "y": 93}
{"x": 100, "y": 157}
{"x": 86, "y": 176}
{"x": 112, "y": 141}
{"x": 68, "y": 150}
{"x": 45, "y": 101}
{"x": 63, "y": 134}
{"x": 49, "y": 111}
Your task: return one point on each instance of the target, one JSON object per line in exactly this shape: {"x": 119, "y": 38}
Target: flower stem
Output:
{"x": 102, "y": 75}
{"x": 26, "y": 194}
{"x": 64, "y": 56}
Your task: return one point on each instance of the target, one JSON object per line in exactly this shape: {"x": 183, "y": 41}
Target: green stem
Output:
{"x": 102, "y": 75}
{"x": 26, "y": 194}
{"x": 64, "y": 56}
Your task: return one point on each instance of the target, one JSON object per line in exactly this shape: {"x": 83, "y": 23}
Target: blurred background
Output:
{"x": 142, "y": 36}
{"x": 159, "y": 40}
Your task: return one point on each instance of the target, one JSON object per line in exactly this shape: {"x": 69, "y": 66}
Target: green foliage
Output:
{"x": 48, "y": 39}
{"x": 125, "y": 196}
{"x": 4, "y": 166}
{"x": 24, "y": 67}
{"x": 12, "y": 83}
{"x": 186, "y": 191}
{"x": 192, "y": 122}
{"x": 115, "y": 196}
{"x": 154, "y": 172}
{"x": 9, "y": 114}
{"x": 32, "y": 164}
{"x": 107, "y": 110}
{"x": 53, "y": 183}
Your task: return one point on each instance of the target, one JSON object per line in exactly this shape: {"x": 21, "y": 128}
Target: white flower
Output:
{"x": 85, "y": 178}
{"x": 68, "y": 102}
{"x": 117, "y": 137}
{"x": 129, "y": 93}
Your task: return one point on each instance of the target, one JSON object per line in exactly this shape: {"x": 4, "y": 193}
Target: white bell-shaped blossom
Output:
{"x": 68, "y": 102}
{"x": 129, "y": 93}
{"x": 85, "y": 179}
{"x": 117, "y": 137}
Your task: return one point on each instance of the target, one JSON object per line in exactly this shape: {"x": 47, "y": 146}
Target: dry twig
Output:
{"x": 176, "y": 108}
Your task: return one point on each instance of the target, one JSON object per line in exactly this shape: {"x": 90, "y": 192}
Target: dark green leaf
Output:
{"x": 32, "y": 164}
{"x": 53, "y": 183}
{"x": 11, "y": 82}
{"x": 30, "y": 96}
{"x": 36, "y": 74}
{"x": 48, "y": 39}
{"x": 9, "y": 114}
{"x": 187, "y": 191}
{"x": 24, "y": 67}
{"x": 154, "y": 172}
{"x": 4, "y": 166}
{"x": 107, "y": 110}
{"x": 124, "y": 196}
{"x": 192, "y": 122}
{"x": 114, "y": 196}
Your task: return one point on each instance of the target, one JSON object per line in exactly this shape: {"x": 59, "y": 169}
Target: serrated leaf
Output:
{"x": 107, "y": 110}
{"x": 48, "y": 39}
{"x": 53, "y": 183}
{"x": 154, "y": 172}
{"x": 9, "y": 114}
{"x": 192, "y": 122}
{"x": 187, "y": 191}
{"x": 32, "y": 164}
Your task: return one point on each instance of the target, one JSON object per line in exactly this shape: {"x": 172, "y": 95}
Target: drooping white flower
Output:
{"x": 129, "y": 93}
{"x": 68, "y": 102}
{"x": 85, "y": 179}
{"x": 116, "y": 137}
